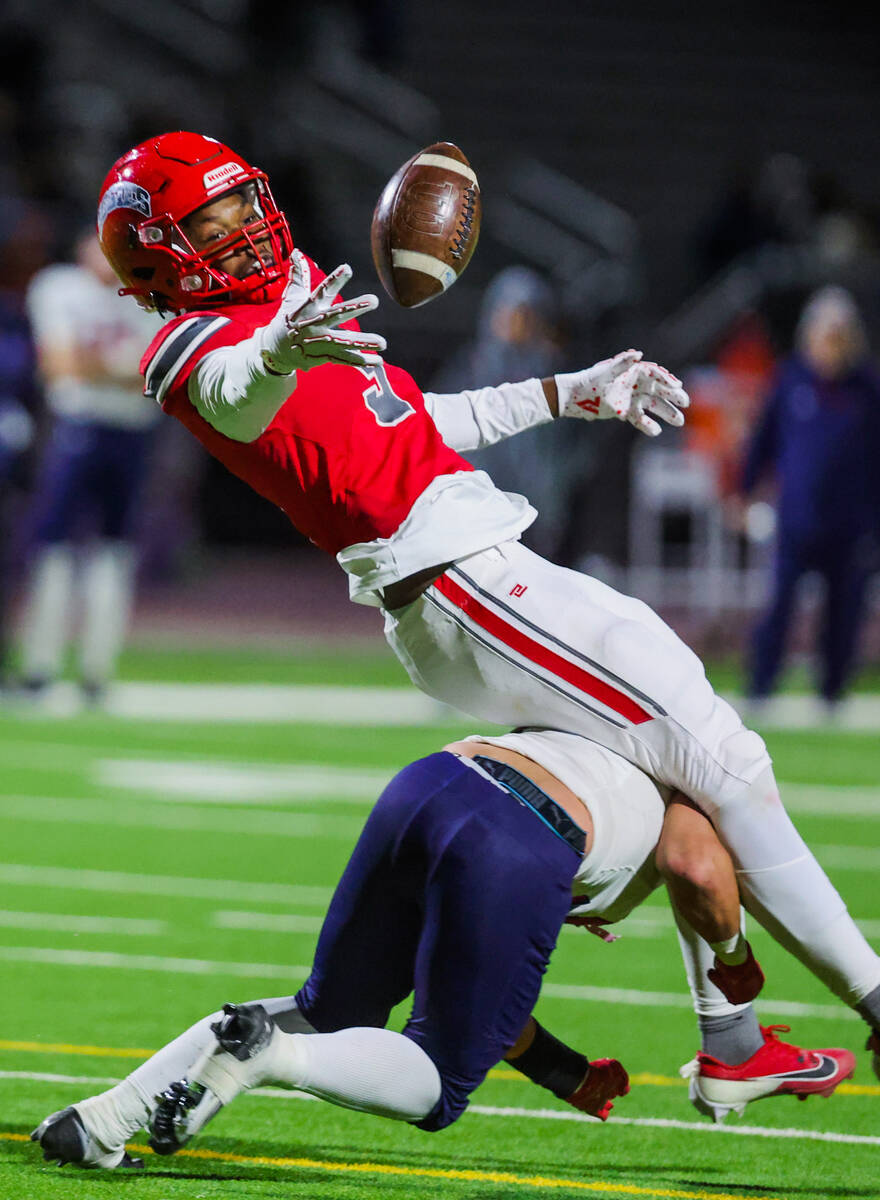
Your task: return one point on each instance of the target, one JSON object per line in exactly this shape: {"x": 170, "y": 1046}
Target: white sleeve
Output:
{"x": 233, "y": 390}
{"x": 53, "y": 299}
{"x": 474, "y": 419}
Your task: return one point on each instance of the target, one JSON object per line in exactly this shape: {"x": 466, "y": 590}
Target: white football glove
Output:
{"x": 303, "y": 332}
{"x": 626, "y": 388}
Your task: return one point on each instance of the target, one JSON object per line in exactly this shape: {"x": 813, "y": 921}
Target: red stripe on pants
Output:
{"x": 616, "y": 700}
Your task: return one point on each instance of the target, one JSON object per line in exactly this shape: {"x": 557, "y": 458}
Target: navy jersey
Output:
{"x": 821, "y": 439}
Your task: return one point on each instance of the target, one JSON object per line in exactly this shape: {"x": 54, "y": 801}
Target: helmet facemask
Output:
{"x": 200, "y": 272}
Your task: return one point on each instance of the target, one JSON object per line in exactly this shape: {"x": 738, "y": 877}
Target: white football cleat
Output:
{"x": 777, "y": 1069}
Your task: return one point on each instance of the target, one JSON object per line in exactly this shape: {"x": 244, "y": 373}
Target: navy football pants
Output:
{"x": 90, "y": 473}
{"x": 457, "y": 893}
{"x": 843, "y": 565}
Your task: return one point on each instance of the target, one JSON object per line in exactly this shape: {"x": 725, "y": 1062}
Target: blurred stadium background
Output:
{"x": 683, "y": 181}
{"x": 684, "y": 177}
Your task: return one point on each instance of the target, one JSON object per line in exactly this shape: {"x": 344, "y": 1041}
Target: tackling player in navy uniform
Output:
{"x": 456, "y": 891}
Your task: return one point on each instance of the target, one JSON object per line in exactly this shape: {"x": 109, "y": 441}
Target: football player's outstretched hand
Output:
{"x": 303, "y": 333}
{"x": 626, "y": 388}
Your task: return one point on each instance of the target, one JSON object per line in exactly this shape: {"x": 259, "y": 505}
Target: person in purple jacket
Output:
{"x": 819, "y": 434}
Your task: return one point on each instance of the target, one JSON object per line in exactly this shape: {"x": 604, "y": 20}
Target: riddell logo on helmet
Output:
{"x": 221, "y": 175}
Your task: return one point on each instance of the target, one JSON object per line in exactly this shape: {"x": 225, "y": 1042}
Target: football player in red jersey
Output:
{"x": 263, "y": 365}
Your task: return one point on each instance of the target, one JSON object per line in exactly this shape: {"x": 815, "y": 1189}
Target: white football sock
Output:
{"x": 786, "y": 890}
{"x": 698, "y": 957}
{"x": 371, "y": 1070}
{"x": 732, "y": 951}
{"x": 107, "y": 586}
{"x": 728, "y": 1031}
{"x": 113, "y": 1116}
{"x": 47, "y": 619}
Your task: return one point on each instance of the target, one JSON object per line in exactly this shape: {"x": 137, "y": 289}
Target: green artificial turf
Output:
{"x": 71, "y": 1016}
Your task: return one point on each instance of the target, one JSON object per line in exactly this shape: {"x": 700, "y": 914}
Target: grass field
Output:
{"x": 152, "y": 869}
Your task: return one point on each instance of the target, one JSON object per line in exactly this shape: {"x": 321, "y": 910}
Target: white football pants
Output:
{"x": 510, "y": 638}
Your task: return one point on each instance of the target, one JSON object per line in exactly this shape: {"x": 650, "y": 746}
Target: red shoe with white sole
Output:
{"x": 777, "y": 1069}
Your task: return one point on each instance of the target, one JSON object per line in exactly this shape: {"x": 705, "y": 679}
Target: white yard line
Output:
{"x": 242, "y": 783}
{"x": 848, "y": 858}
{"x": 640, "y": 999}
{"x": 267, "y": 922}
{"x": 131, "y": 883}
{"x": 527, "y": 1114}
{"x": 68, "y": 923}
{"x": 273, "y": 704}
{"x": 296, "y": 972}
{"x": 109, "y": 814}
{"x": 150, "y": 962}
{"x": 551, "y": 1114}
{"x": 401, "y": 706}
{"x": 827, "y": 800}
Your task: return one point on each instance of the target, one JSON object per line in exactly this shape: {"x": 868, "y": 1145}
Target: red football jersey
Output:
{"x": 346, "y": 455}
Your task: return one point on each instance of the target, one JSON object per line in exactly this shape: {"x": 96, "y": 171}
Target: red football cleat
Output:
{"x": 605, "y": 1079}
{"x": 740, "y": 983}
{"x": 873, "y": 1044}
{"x": 777, "y": 1069}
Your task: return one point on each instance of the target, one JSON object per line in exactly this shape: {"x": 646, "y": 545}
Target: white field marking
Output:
{"x": 426, "y": 264}
{"x": 243, "y": 970}
{"x": 633, "y": 996}
{"x": 259, "y": 779}
{"x": 109, "y": 814}
{"x": 848, "y": 858}
{"x": 242, "y": 783}
{"x": 447, "y": 164}
{"x": 281, "y": 703}
{"x": 45, "y": 1077}
{"x": 827, "y": 801}
{"x": 68, "y": 923}
{"x": 149, "y": 962}
{"x": 859, "y": 713}
{"x": 88, "y": 880}
{"x": 276, "y": 704}
{"x": 266, "y": 922}
{"x": 551, "y": 1114}
{"x": 250, "y": 782}
{"x": 528, "y": 1114}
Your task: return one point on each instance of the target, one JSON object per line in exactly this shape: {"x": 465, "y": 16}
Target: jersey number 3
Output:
{"x": 381, "y": 399}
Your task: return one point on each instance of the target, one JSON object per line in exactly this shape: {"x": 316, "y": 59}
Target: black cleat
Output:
{"x": 63, "y": 1139}
{"x": 167, "y": 1121}
{"x": 244, "y": 1030}
{"x": 186, "y": 1106}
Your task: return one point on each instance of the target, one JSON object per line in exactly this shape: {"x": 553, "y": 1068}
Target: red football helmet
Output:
{"x": 146, "y": 197}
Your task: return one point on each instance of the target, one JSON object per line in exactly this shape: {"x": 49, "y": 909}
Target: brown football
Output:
{"x": 426, "y": 224}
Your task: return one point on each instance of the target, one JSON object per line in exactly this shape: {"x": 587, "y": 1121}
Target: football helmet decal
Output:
{"x": 142, "y": 211}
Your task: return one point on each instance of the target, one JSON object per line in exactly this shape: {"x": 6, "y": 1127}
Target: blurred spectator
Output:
{"x": 89, "y": 341}
{"x": 518, "y": 337}
{"x": 820, "y": 435}
{"x": 24, "y": 234}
